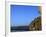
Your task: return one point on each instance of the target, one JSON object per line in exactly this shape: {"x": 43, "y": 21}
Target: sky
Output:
{"x": 22, "y": 15}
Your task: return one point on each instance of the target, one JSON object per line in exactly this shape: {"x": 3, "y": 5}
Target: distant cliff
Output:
{"x": 19, "y": 28}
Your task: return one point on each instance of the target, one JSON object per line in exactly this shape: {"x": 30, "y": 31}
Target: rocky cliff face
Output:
{"x": 36, "y": 24}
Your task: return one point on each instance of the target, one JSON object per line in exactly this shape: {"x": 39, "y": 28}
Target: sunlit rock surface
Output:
{"x": 36, "y": 24}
